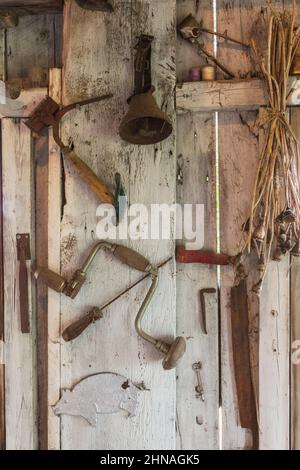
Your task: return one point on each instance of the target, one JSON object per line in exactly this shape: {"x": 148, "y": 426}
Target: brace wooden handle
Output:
{"x": 132, "y": 258}
{"x": 76, "y": 328}
{"x": 199, "y": 256}
{"x": 89, "y": 177}
{"x": 24, "y": 303}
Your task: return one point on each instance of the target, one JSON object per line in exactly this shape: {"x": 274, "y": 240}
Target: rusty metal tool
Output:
{"x": 23, "y": 254}
{"x": 95, "y": 5}
{"x": 241, "y": 360}
{"x": 191, "y": 30}
{"x": 199, "y": 256}
{"x": 10, "y": 11}
{"x": 207, "y": 290}
{"x": 49, "y": 113}
{"x": 72, "y": 287}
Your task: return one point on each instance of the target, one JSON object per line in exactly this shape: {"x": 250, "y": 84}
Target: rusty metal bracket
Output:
{"x": 23, "y": 254}
{"x": 208, "y": 290}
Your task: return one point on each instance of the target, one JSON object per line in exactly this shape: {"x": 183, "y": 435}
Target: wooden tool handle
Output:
{"x": 132, "y": 258}
{"x": 24, "y": 303}
{"x": 76, "y": 328}
{"x": 85, "y": 173}
{"x": 199, "y": 256}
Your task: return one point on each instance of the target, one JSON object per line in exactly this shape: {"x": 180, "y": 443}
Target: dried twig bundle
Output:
{"x": 274, "y": 223}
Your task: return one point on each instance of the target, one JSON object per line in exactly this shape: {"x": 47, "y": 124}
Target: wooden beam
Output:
{"x": 197, "y": 421}
{"x": 295, "y": 326}
{"x": 41, "y": 148}
{"x": 228, "y": 95}
{"x": 18, "y": 207}
{"x": 31, "y": 7}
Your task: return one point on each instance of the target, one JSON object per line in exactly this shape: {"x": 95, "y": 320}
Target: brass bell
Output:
{"x": 144, "y": 122}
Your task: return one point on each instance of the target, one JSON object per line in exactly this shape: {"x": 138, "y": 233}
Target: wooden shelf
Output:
{"x": 228, "y": 95}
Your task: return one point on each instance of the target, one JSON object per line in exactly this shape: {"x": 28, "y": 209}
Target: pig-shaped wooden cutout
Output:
{"x": 106, "y": 392}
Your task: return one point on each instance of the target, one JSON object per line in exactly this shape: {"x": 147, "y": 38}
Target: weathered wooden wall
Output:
{"x": 211, "y": 157}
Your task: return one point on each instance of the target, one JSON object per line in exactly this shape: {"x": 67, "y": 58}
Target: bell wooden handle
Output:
{"x": 132, "y": 258}
{"x": 89, "y": 177}
{"x": 76, "y": 328}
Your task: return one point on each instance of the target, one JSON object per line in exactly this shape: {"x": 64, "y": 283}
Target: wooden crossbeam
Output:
{"x": 228, "y": 95}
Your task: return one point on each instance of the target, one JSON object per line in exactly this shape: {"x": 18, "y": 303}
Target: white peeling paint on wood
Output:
{"x": 274, "y": 349}
{"x": 19, "y": 348}
{"x": 23, "y": 106}
{"x": 239, "y": 21}
{"x": 229, "y": 95}
{"x": 197, "y": 420}
{"x": 112, "y": 343}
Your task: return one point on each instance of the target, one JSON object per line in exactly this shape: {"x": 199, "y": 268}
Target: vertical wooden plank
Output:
{"x": 237, "y": 168}
{"x": 97, "y": 60}
{"x": 237, "y": 132}
{"x": 197, "y": 421}
{"x": 274, "y": 353}
{"x": 19, "y": 348}
{"x": 2, "y": 365}
{"x": 36, "y": 42}
{"x": 54, "y": 216}
{"x": 94, "y": 64}
{"x": 295, "y": 326}
{"x": 2, "y": 55}
{"x": 274, "y": 349}
{"x": 2, "y": 362}
{"x": 31, "y": 44}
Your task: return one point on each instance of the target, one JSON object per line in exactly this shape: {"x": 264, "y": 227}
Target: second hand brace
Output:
{"x": 174, "y": 351}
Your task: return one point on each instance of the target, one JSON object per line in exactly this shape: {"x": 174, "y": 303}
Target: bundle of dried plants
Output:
{"x": 274, "y": 222}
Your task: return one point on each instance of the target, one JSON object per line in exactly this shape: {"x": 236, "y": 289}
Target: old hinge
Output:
{"x": 23, "y": 254}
